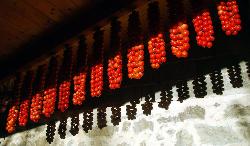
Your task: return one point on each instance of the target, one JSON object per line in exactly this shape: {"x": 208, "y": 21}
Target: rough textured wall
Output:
{"x": 212, "y": 121}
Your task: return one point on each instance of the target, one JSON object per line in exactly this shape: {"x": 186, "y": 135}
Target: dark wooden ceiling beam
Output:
{"x": 8, "y": 42}
{"x": 66, "y": 7}
{"x": 32, "y": 15}
{"x": 47, "y": 9}
{"x": 21, "y": 22}
{"x": 83, "y": 4}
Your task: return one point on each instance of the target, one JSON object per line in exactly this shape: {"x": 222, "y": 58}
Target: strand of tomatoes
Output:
{"x": 115, "y": 71}
{"x": 49, "y": 98}
{"x": 25, "y": 103}
{"x": 79, "y": 88}
{"x": 37, "y": 98}
{"x": 204, "y": 29}
{"x": 96, "y": 70}
{"x": 14, "y": 108}
{"x": 136, "y": 62}
{"x": 12, "y": 118}
{"x": 179, "y": 35}
{"x": 157, "y": 51}
{"x": 64, "y": 86}
{"x": 49, "y": 101}
{"x": 228, "y": 12}
{"x": 80, "y": 70}
{"x": 96, "y": 80}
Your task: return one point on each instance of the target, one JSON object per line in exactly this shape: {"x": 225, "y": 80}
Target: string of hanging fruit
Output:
{"x": 96, "y": 77}
{"x": 14, "y": 107}
{"x": 228, "y": 12}
{"x": 37, "y": 98}
{"x": 65, "y": 79}
{"x": 156, "y": 44}
{"x": 80, "y": 74}
{"x": 135, "y": 52}
{"x": 49, "y": 98}
{"x": 115, "y": 61}
{"x": 25, "y": 101}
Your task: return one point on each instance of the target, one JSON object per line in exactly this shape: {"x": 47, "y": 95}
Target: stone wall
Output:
{"x": 211, "y": 121}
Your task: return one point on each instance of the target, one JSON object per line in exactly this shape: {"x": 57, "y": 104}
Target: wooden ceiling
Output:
{"x": 22, "y": 21}
{"x": 29, "y": 28}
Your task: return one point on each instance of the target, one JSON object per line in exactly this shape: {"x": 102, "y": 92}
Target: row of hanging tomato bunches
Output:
{"x": 39, "y": 97}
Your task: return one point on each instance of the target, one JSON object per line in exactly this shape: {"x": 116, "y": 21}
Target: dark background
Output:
{"x": 226, "y": 51}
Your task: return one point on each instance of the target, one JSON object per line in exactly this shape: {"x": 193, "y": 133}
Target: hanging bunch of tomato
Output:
{"x": 228, "y": 12}
{"x": 179, "y": 36}
{"x": 156, "y": 49}
{"x": 135, "y": 52}
{"x": 179, "y": 33}
{"x": 135, "y": 62}
{"x": 12, "y": 118}
{"x": 50, "y": 92}
{"x": 96, "y": 75}
{"x": 79, "y": 88}
{"x": 80, "y": 72}
{"x": 13, "y": 111}
{"x": 115, "y": 59}
{"x": 156, "y": 44}
{"x": 25, "y": 100}
{"x": 204, "y": 29}
{"x": 96, "y": 82}
{"x": 37, "y": 98}
{"x": 65, "y": 79}
{"x": 115, "y": 71}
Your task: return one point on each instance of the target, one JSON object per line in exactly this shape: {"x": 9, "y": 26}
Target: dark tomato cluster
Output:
{"x": 96, "y": 81}
{"x": 135, "y": 62}
{"x": 79, "y": 88}
{"x": 64, "y": 93}
{"x": 23, "y": 113}
{"x": 36, "y": 107}
{"x": 204, "y": 29}
{"x": 229, "y": 15}
{"x": 156, "y": 48}
{"x": 49, "y": 101}
{"x": 12, "y": 119}
{"x": 115, "y": 71}
{"x": 179, "y": 36}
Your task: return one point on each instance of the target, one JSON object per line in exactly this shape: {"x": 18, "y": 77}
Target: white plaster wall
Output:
{"x": 212, "y": 121}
